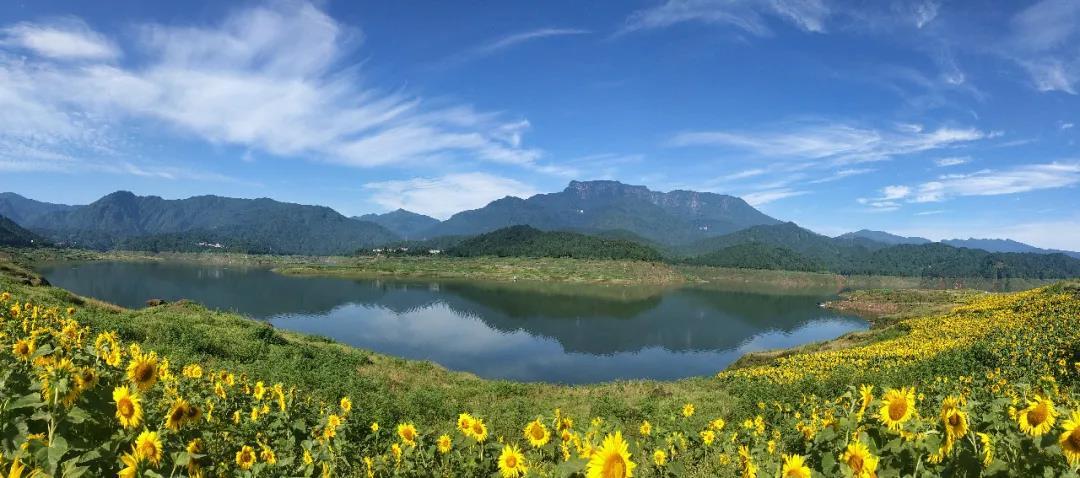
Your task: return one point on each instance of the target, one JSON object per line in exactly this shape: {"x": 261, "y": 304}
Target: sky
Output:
{"x": 944, "y": 120}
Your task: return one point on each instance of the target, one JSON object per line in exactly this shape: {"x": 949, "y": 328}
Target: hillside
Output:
{"x": 262, "y": 224}
{"x": 407, "y": 224}
{"x": 755, "y": 255}
{"x": 26, "y": 211}
{"x": 12, "y": 234}
{"x": 883, "y": 237}
{"x": 527, "y": 241}
{"x": 831, "y": 253}
{"x": 669, "y": 218}
{"x": 1005, "y": 245}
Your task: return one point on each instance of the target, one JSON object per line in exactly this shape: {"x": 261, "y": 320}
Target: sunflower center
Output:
{"x": 856, "y": 463}
{"x": 511, "y": 461}
{"x": 954, "y": 420}
{"x": 1037, "y": 415}
{"x": 897, "y": 409}
{"x": 148, "y": 449}
{"x": 144, "y": 372}
{"x": 614, "y": 467}
{"x": 1074, "y": 439}
{"x": 178, "y": 414}
{"x": 127, "y": 409}
{"x": 537, "y": 433}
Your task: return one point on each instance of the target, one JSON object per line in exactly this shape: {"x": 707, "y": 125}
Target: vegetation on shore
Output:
{"x": 986, "y": 389}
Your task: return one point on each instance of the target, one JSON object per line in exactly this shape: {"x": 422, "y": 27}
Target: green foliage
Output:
{"x": 526, "y": 241}
{"x": 12, "y": 234}
{"x": 755, "y": 255}
{"x": 406, "y": 224}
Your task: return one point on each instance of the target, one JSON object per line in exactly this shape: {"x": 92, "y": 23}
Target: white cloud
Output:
{"x": 444, "y": 196}
{"x": 895, "y": 192}
{"x": 1043, "y": 42}
{"x": 763, "y": 197}
{"x": 952, "y": 161}
{"x": 744, "y": 174}
{"x": 1064, "y": 126}
{"x": 841, "y": 174}
{"x": 509, "y": 41}
{"x": 66, "y": 39}
{"x": 269, "y": 79}
{"x": 749, "y": 16}
{"x": 1019, "y": 179}
{"x": 889, "y": 199}
{"x": 837, "y": 142}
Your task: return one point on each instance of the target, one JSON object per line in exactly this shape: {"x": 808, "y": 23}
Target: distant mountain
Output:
{"x": 12, "y": 234}
{"x": 263, "y": 224}
{"x": 527, "y": 241}
{"x": 407, "y": 224}
{"x": 26, "y": 211}
{"x": 884, "y": 237}
{"x": 670, "y": 218}
{"x": 824, "y": 250}
{"x": 755, "y": 255}
{"x": 1005, "y": 245}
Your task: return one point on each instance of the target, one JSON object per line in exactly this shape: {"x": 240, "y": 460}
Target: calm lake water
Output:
{"x": 529, "y": 332}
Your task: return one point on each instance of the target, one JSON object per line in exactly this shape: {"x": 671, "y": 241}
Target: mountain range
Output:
{"x": 679, "y": 224}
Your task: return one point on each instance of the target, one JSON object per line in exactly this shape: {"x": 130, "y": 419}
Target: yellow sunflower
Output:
{"x": 1070, "y": 439}
{"x": 688, "y": 410}
{"x": 512, "y": 462}
{"x": 346, "y": 405}
{"x": 866, "y": 395}
{"x": 395, "y": 449}
{"x": 858, "y": 458}
{"x": 746, "y": 463}
{"x": 128, "y": 407}
{"x": 245, "y": 458}
{"x": 537, "y": 434}
{"x": 407, "y": 433}
{"x": 142, "y": 371}
{"x": 131, "y": 466}
{"x": 178, "y": 414}
{"x": 479, "y": 430}
{"x": 612, "y": 460}
{"x": 464, "y": 423}
{"x": 659, "y": 457}
{"x": 898, "y": 407}
{"x": 23, "y": 349}
{"x": 987, "y": 449}
{"x": 954, "y": 419}
{"x": 1038, "y": 418}
{"x": 707, "y": 437}
{"x": 267, "y": 455}
{"x": 444, "y": 444}
{"x": 794, "y": 467}
{"x": 646, "y": 428}
{"x": 148, "y": 447}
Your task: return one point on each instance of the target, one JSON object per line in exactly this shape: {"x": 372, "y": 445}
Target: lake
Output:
{"x": 568, "y": 333}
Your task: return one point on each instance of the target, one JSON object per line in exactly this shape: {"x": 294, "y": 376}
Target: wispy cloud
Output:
{"x": 270, "y": 78}
{"x": 507, "y": 42}
{"x": 749, "y": 16}
{"x": 1043, "y": 42}
{"x": 67, "y": 39}
{"x": 444, "y": 196}
{"x": 841, "y": 174}
{"x": 952, "y": 161}
{"x": 988, "y": 182}
{"x": 888, "y": 200}
{"x": 758, "y": 198}
{"x": 838, "y": 143}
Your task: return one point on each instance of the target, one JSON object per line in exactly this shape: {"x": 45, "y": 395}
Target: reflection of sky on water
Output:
{"x": 523, "y": 331}
{"x": 462, "y": 342}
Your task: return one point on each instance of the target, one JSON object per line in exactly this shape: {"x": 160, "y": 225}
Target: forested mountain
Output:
{"x": 527, "y": 241}
{"x": 670, "y": 218}
{"x": 825, "y": 250}
{"x": 1004, "y": 245}
{"x": 12, "y": 234}
{"x": 407, "y": 224}
{"x": 25, "y": 211}
{"x": 262, "y": 224}
{"x": 756, "y": 255}
{"x": 883, "y": 237}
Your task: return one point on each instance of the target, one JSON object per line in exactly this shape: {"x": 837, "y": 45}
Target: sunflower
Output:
{"x": 987, "y": 449}
{"x": 866, "y": 395}
{"x": 267, "y": 455}
{"x": 659, "y": 457}
{"x": 537, "y": 434}
{"x": 142, "y": 371}
{"x": 407, "y": 433}
{"x": 178, "y": 414}
{"x": 1038, "y": 418}
{"x": 612, "y": 460}
{"x": 688, "y": 410}
{"x": 374, "y": 427}
{"x": 443, "y": 444}
{"x": 746, "y": 463}
{"x": 707, "y": 437}
{"x": 718, "y": 424}
{"x": 794, "y": 467}
{"x": 479, "y": 431}
{"x": 396, "y": 450}
{"x": 346, "y": 405}
{"x": 245, "y": 458}
{"x": 898, "y": 407}
{"x": 148, "y": 447}
{"x": 131, "y": 466}
{"x": 954, "y": 419}
{"x": 464, "y": 423}
{"x": 128, "y": 407}
{"x": 512, "y": 462}
{"x": 1070, "y": 439}
{"x": 858, "y": 458}
{"x": 23, "y": 349}
{"x": 646, "y": 428}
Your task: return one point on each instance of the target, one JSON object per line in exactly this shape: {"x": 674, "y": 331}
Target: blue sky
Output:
{"x": 921, "y": 117}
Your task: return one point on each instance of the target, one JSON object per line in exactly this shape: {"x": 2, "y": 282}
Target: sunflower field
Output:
{"x": 989, "y": 389}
